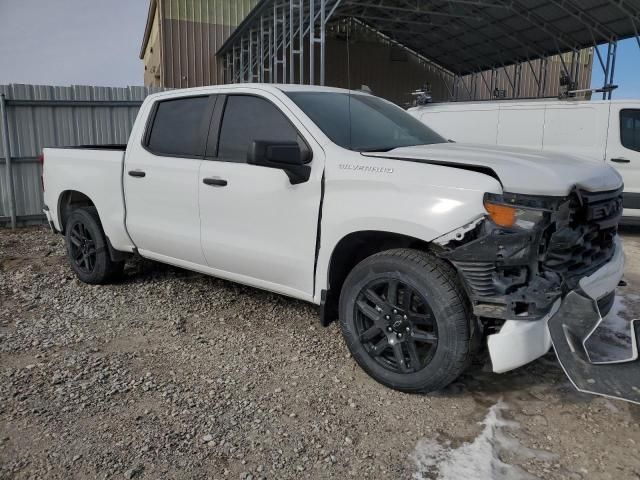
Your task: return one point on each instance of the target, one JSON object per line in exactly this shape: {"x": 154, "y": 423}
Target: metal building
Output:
{"x": 186, "y": 43}
{"x": 477, "y": 48}
{"x": 181, "y": 38}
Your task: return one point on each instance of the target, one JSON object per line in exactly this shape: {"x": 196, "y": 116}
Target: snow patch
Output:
{"x": 477, "y": 460}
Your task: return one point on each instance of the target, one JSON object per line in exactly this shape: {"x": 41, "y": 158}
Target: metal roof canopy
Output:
{"x": 466, "y": 36}
{"x": 461, "y": 36}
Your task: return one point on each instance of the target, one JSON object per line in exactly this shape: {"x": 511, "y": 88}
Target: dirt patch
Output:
{"x": 170, "y": 374}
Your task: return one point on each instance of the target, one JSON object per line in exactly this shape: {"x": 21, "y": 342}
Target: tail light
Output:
{"x": 41, "y": 161}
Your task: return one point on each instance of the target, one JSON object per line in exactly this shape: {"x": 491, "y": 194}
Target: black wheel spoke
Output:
{"x": 399, "y": 356}
{"x": 424, "y": 337}
{"x": 90, "y": 262}
{"x": 370, "y": 334}
{"x": 392, "y": 292}
{"x": 413, "y": 355}
{"x": 406, "y": 298}
{"x": 373, "y": 297}
{"x": 380, "y": 346}
{"x": 74, "y": 238}
{"x": 368, "y": 311}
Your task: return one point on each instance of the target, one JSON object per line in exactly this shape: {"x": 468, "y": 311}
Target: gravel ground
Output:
{"x": 171, "y": 374}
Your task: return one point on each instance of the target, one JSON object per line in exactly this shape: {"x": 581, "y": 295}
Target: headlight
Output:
{"x": 511, "y": 216}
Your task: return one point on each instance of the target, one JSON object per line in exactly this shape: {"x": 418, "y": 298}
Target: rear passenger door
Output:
{"x": 161, "y": 181}
{"x": 258, "y": 228}
{"x": 623, "y": 153}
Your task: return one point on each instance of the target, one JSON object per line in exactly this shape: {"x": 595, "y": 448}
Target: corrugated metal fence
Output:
{"x": 38, "y": 116}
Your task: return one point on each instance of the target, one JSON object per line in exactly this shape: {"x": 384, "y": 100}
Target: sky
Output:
{"x": 72, "y": 42}
{"x": 97, "y": 42}
{"x": 626, "y": 73}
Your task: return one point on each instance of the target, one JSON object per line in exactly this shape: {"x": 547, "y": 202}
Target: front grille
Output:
{"x": 585, "y": 233}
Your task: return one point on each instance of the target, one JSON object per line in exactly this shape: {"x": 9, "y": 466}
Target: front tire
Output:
{"x": 406, "y": 320}
{"x": 87, "y": 248}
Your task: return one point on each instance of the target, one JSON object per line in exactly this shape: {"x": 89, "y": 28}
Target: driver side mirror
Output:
{"x": 285, "y": 156}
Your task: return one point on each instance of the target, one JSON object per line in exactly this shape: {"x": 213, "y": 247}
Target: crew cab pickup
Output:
{"x": 426, "y": 251}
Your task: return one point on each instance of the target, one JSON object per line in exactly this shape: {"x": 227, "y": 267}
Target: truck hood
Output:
{"x": 519, "y": 170}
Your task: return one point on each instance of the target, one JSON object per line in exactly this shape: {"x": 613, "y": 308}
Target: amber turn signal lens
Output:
{"x": 502, "y": 215}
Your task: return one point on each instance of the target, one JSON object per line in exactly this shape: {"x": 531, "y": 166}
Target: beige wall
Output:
{"x": 389, "y": 71}
{"x": 189, "y": 32}
{"x": 528, "y": 84}
{"x": 152, "y": 58}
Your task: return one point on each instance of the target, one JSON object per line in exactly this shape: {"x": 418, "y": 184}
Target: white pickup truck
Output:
{"x": 427, "y": 251}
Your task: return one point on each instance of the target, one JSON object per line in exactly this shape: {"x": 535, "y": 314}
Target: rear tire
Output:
{"x": 416, "y": 339}
{"x": 87, "y": 248}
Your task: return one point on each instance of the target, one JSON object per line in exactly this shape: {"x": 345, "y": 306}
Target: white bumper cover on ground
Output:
{"x": 522, "y": 341}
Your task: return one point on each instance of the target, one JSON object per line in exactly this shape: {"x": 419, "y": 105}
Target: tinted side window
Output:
{"x": 630, "y": 129}
{"x": 248, "y": 118}
{"x": 178, "y": 127}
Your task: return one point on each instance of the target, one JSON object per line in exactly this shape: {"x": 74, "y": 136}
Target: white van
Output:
{"x": 607, "y": 131}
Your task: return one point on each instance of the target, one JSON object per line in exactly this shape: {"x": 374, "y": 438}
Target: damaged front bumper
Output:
{"x": 575, "y": 330}
{"x": 519, "y": 342}
{"x": 578, "y": 333}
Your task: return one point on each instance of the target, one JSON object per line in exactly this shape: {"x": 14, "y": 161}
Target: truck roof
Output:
{"x": 272, "y": 87}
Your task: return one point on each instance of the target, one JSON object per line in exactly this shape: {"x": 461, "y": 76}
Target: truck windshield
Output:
{"x": 376, "y": 124}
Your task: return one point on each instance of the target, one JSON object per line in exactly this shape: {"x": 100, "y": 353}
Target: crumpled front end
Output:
{"x": 548, "y": 278}
{"x": 518, "y": 272}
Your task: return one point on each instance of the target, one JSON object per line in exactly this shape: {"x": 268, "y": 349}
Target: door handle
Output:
{"x": 621, "y": 160}
{"x": 214, "y": 182}
{"x": 136, "y": 173}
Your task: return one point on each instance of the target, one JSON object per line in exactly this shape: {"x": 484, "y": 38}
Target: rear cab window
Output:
{"x": 630, "y": 128}
{"x": 179, "y": 127}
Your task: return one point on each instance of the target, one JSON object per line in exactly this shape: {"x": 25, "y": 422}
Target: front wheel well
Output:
{"x": 350, "y": 251}
{"x": 71, "y": 200}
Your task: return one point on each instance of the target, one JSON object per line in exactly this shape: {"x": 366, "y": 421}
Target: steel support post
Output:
{"x": 301, "y": 41}
{"x": 323, "y": 21}
{"x": 6, "y": 148}
{"x": 312, "y": 42}
{"x": 613, "y": 67}
{"x": 606, "y": 69}
{"x": 292, "y": 50}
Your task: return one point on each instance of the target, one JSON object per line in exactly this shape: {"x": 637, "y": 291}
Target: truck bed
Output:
{"x": 94, "y": 171}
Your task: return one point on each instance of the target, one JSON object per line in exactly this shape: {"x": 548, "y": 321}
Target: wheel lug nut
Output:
{"x": 408, "y": 329}
{"x": 399, "y": 335}
{"x": 395, "y": 311}
{"x": 389, "y": 329}
{"x": 405, "y": 317}
{"x": 386, "y": 317}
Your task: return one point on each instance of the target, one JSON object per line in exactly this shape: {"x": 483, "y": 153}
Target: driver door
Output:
{"x": 256, "y": 227}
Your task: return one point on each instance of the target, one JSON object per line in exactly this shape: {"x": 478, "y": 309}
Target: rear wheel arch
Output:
{"x": 351, "y": 250}
{"x": 69, "y": 201}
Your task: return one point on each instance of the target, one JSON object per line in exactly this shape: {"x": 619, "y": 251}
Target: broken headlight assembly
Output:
{"x": 505, "y": 213}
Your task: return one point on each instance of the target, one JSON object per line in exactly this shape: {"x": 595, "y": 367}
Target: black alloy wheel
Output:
{"x": 82, "y": 248}
{"x": 406, "y": 320}
{"x": 87, "y": 248}
{"x": 396, "y": 325}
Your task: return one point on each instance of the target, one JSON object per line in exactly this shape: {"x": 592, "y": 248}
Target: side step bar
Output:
{"x": 574, "y": 333}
